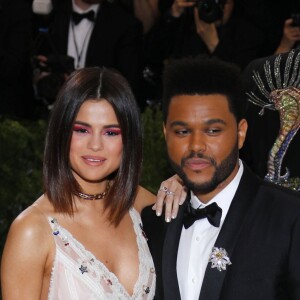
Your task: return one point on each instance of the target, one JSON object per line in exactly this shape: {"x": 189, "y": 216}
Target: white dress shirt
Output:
{"x": 79, "y": 36}
{"x": 197, "y": 241}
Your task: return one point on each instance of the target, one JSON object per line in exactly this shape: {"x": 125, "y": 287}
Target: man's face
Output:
{"x": 203, "y": 139}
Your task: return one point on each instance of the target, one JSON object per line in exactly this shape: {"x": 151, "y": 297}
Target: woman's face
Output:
{"x": 96, "y": 144}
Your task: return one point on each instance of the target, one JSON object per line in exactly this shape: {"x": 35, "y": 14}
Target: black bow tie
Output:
{"x": 212, "y": 212}
{"x": 76, "y": 17}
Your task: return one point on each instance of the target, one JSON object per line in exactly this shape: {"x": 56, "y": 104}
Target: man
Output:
{"x": 95, "y": 33}
{"x": 245, "y": 243}
{"x": 189, "y": 28}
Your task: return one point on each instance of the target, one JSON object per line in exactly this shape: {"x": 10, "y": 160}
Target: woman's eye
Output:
{"x": 80, "y": 129}
{"x": 112, "y": 132}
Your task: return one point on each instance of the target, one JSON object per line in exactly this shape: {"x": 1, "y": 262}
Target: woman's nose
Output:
{"x": 95, "y": 143}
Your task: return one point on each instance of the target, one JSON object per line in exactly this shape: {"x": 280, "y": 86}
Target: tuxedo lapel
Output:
{"x": 213, "y": 279}
{"x": 99, "y": 36}
{"x": 169, "y": 259}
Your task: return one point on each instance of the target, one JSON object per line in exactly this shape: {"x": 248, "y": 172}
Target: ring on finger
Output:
{"x": 164, "y": 189}
{"x": 170, "y": 193}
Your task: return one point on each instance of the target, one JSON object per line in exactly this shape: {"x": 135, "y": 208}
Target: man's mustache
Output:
{"x": 194, "y": 154}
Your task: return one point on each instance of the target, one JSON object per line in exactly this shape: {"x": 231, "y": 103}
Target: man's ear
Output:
{"x": 164, "y": 129}
{"x": 242, "y": 131}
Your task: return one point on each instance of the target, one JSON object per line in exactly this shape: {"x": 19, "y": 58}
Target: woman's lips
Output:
{"x": 93, "y": 160}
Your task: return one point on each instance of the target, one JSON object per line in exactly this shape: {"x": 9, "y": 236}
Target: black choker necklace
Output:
{"x": 93, "y": 197}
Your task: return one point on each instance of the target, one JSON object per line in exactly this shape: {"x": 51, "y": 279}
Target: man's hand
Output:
{"x": 41, "y": 64}
{"x": 179, "y": 6}
{"x": 207, "y": 32}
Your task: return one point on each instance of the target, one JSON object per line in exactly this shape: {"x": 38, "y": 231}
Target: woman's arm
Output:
{"x": 24, "y": 258}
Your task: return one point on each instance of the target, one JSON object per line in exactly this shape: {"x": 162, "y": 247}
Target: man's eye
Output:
{"x": 181, "y": 132}
{"x": 213, "y": 131}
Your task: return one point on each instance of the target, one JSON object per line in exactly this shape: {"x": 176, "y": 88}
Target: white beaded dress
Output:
{"x": 78, "y": 275}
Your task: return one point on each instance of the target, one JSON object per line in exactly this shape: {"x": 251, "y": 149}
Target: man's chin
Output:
{"x": 197, "y": 181}
{"x": 198, "y": 178}
{"x": 202, "y": 187}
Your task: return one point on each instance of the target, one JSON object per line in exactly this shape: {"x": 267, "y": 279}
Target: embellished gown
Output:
{"x": 78, "y": 275}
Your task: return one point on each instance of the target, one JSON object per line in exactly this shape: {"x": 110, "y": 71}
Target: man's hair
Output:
{"x": 204, "y": 76}
{"x": 59, "y": 183}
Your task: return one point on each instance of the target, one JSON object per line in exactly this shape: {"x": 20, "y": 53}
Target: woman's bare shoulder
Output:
{"x": 31, "y": 223}
{"x": 29, "y": 247}
{"x": 144, "y": 198}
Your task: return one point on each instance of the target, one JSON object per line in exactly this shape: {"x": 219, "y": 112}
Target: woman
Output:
{"x": 83, "y": 239}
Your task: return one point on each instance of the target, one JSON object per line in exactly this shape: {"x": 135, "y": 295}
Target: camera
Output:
{"x": 47, "y": 87}
{"x": 210, "y": 10}
{"x": 60, "y": 63}
{"x": 56, "y": 63}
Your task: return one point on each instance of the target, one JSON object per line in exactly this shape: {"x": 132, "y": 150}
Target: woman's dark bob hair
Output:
{"x": 59, "y": 183}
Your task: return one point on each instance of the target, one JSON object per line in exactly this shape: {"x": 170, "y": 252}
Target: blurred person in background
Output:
{"x": 16, "y": 94}
{"x": 270, "y": 18}
{"x": 92, "y": 33}
{"x": 147, "y": 11}
{"x": 290, "y": 37}
{"x": 192, "y": 28}
{"x": 291, "y": 30}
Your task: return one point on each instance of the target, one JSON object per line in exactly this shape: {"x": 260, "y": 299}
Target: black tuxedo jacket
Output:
{"x": 261, "y": 234}
{"x": 115, "y": 42}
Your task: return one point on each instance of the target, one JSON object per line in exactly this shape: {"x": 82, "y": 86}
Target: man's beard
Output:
{"x": 222, "y": 171}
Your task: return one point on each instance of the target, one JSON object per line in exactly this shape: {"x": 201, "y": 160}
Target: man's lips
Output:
{"x": 93, "y": 160}
{"x": 197, "y": 164}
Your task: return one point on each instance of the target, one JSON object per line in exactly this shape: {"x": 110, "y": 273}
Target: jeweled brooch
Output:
{"x": 219, "y": 258}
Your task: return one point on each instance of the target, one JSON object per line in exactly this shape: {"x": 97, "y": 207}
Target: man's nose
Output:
{"x": 197, "y": 143}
